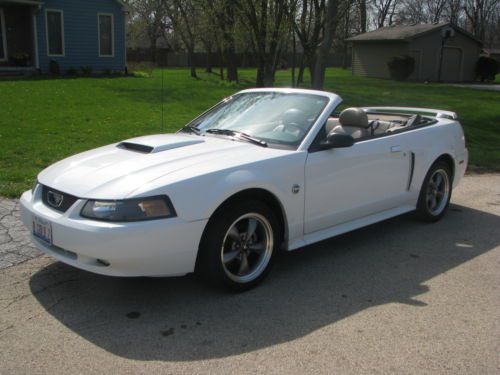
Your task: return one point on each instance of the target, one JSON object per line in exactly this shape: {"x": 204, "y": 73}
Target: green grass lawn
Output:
{"x": 44, "y": 120}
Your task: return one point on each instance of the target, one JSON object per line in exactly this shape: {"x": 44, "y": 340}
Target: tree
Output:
{"x": 384, "y": 11}
{"x": 478, "y": 14}
{"x": 326, "y": 44}
{"x": 183, "y": 15}
{"x": 309, "y": 26}
{"x": 153, "y": 17}
{"x": 222, "y": 15}
{"x": 266, "y": 21}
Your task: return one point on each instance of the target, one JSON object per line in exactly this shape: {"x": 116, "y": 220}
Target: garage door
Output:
{"x": 452, "y": 61}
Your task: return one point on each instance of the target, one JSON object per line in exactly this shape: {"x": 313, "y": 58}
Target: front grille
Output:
{"x": 56, "y": 199}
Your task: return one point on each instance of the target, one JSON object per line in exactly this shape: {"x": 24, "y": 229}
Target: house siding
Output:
{"x": 370, "y": 59}
{"x": 81, "y": 45}
{"x": 459, "y": 57}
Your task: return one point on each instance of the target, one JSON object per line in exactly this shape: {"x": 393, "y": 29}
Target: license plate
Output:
{"x": 42, "y": 229}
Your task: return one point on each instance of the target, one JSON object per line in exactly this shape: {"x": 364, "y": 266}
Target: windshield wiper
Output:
{"x": 239, "y": 135}
{"x": 191, "y": 129}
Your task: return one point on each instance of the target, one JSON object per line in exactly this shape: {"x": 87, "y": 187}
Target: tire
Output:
{"x": 227, "y": 258}
{"x": 435, "y": 194}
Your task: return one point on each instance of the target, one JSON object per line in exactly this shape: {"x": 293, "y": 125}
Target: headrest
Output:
{"x": 354, "y": 117}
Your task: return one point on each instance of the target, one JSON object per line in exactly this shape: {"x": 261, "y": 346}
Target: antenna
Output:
{"x": 162, "y": 99}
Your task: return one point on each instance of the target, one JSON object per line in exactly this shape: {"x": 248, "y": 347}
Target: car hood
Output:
{"x": 115, "y": 171}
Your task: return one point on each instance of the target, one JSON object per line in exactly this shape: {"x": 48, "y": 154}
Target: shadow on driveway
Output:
{"x": 179, "y": 319}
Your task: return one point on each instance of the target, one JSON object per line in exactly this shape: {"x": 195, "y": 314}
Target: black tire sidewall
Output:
{"x": 209, "y": 265}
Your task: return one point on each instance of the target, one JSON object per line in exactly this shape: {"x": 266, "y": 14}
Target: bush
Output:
{"x": 54, "y": 67}
{"x": 401, "y": 67}
{"x": 86, "y": 70}
{"x": 72, "y": 72}
{"x": 487, "y": 68}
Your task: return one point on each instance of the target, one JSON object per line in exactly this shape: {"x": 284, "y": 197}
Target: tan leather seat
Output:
{"x": 352, "y": 121}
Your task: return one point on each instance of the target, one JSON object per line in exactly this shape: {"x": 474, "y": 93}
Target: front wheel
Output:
{"x": 435, "y": 193}
{"x": 239, "y": 245}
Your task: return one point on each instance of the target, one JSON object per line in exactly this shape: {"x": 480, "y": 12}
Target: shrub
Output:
{"x": 401, "y": 67}
{"x": 72, "y": 72}
{"x": 54, "y": 67}
{"x": 86, "y": 70}
{"x": 487, "y": 68}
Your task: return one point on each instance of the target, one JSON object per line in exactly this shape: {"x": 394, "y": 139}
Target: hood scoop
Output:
{"x": 151, "y": 144}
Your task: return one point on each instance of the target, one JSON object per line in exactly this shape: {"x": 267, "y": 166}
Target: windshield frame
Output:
{"x": 332, "y": 102}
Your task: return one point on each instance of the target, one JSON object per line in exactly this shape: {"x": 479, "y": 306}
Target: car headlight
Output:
{"x": 135, "y": 209}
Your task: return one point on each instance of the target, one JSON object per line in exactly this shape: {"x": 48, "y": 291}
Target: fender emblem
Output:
{"x": 295, "y": 189}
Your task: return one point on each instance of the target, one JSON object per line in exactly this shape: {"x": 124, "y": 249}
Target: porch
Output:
{"x": 18, "y": 36}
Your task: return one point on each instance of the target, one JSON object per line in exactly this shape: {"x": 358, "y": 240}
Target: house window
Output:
{"x": 3, "y": 39}
{"x": 106, "y": 35}
{"x": 55, "y": 32}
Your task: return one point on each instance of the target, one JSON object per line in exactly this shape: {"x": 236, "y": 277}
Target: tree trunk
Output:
{"x": 261, "y": 65}
{"x": 208, "y": 67}
{"x": 362, "y": 15}
{"x": 294, "y": 55}
{"x": 153, "y": 50}
{"x": 324, "y": 48}
{"x": 191, "y": 63}
{"x": 232, "y": 64}
{"x": 300, "y": 77}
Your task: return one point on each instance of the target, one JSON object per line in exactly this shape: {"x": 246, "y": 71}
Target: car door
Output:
{"x": 344, "y": 184}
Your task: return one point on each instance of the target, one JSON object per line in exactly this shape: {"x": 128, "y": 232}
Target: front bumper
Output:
{"x": 164, "y": 247}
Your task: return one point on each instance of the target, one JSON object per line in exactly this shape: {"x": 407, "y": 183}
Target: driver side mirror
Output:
{"x": 335, "y": 140}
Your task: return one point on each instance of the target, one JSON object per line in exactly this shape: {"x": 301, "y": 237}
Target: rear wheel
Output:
{"x": 435, "y": 193}
{"x": 239, "y": 245}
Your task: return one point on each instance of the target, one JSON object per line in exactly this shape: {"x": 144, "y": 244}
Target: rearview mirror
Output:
{"x": 335, "y": 140}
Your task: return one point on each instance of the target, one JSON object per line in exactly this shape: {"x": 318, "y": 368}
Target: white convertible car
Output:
{"x": 263, "y": 170}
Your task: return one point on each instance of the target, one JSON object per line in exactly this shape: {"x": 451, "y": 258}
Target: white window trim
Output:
{"x": 112, "y": 34}
{"x": 62, "y": 32}
{"x": 4, "y": 36}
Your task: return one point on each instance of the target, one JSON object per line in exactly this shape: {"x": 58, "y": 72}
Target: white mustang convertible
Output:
{"x": 263, "y": 170}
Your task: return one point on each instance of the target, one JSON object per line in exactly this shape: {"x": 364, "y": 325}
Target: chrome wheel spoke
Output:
{"x": 230, "y": 256}
{"x": 252, "y": 225}
{"x": 438, "y": 181}
{"x": 234, "y": 234}
{"x": 257, "y": 247}
{"x": 243, "y": 265}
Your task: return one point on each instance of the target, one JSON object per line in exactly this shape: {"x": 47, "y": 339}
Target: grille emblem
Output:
{"x": 55, "y": 199}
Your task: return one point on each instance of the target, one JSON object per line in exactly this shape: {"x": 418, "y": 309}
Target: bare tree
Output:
{"x": 223, "y": 19}
{"x": 384, "y": 11}
{"x": 184, "y": 15}
{"x": 152, "y": 14}
{"x": 324, "y": 48}
{"x": 266, "y": 21}
{"x": 309, "y": 26}
{"x": 479, "y": 13}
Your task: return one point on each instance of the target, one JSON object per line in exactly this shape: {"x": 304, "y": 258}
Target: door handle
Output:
{"x": 395, "y": 148}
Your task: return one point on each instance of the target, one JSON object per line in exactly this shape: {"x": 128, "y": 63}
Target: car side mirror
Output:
{"x": 335, "y": 140}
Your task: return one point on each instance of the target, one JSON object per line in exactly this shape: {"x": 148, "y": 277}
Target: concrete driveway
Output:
{"x": 397, "y": 297}
{"x": 478, "y": 86}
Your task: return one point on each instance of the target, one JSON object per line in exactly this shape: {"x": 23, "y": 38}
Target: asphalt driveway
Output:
{"x": 398, "y": 297}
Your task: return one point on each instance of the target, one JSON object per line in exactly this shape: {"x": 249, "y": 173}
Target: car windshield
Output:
{"x": 273, "y": 117}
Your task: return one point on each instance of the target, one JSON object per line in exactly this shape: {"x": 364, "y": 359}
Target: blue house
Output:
{"x": 63, "y": 34}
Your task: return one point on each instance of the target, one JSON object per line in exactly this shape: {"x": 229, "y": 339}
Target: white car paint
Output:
{"x": 340, "y": 190}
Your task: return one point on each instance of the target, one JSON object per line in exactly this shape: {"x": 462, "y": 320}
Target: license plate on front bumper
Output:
{"x": 42, "y": 229}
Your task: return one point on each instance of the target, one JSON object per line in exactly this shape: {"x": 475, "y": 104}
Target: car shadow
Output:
{"x": 179, "y": 319}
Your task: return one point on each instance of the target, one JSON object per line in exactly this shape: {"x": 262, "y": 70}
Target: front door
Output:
{"x": 345, "y": 184}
